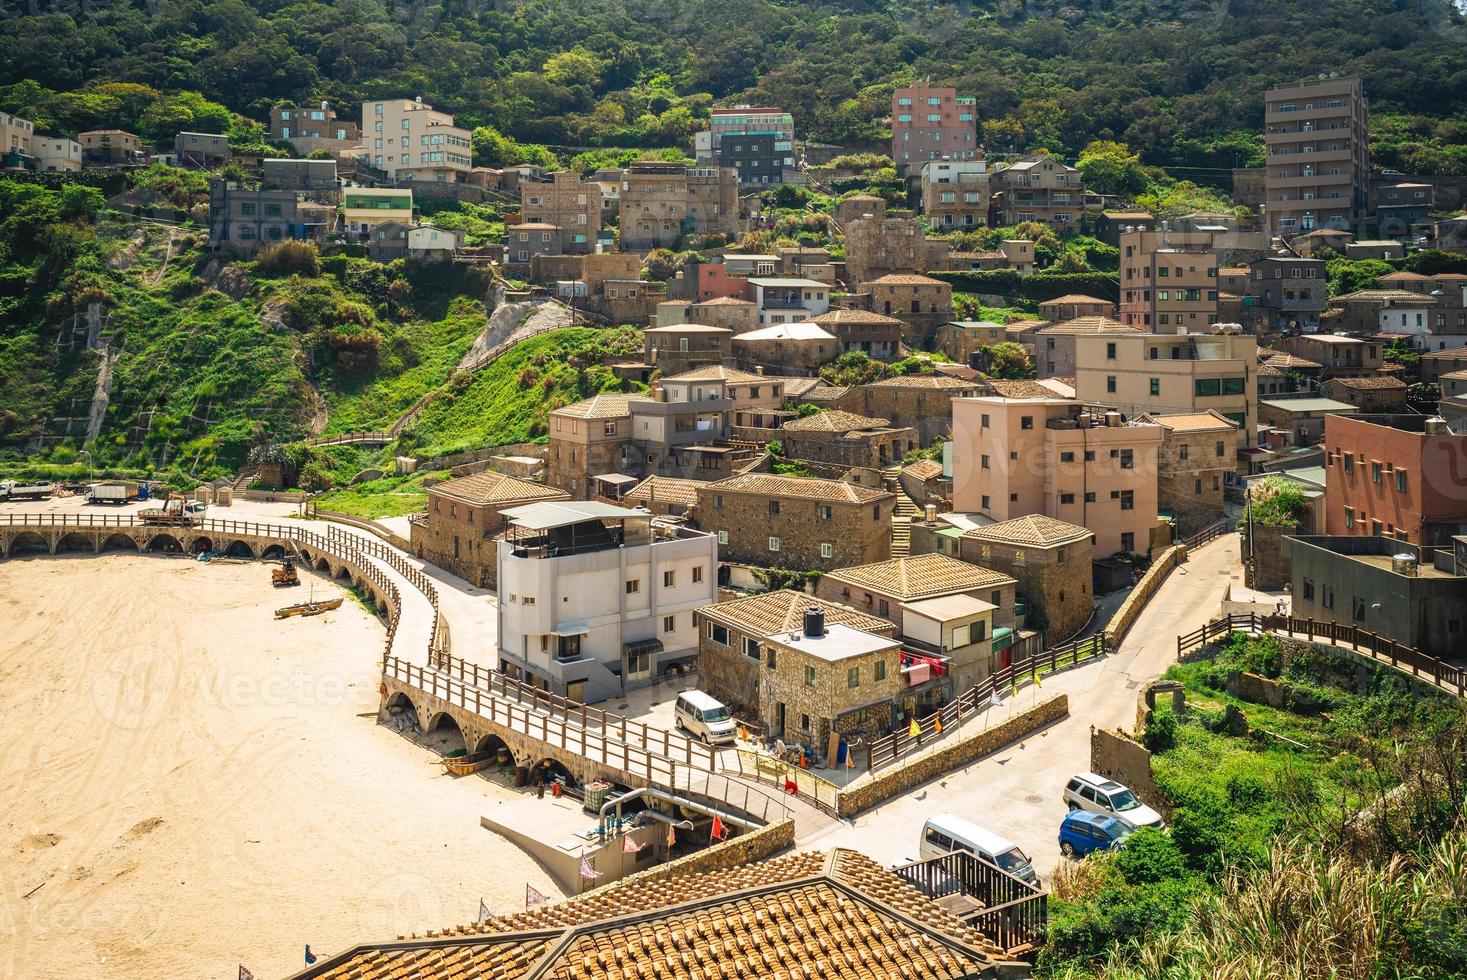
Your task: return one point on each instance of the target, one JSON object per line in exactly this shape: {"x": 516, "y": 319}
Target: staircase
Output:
{"x": 245, "y": 478}
{"x": 901, "y": 519}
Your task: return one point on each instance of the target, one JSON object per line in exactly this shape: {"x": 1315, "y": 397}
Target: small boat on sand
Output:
{"x": 308, "y": 608}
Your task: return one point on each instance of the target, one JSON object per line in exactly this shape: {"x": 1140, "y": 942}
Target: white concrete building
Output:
{"x": 595, "y": 599}
{"x": 56, "y": 153}
{"x": 408, "y": 138}
{"x": 785, "y": 300}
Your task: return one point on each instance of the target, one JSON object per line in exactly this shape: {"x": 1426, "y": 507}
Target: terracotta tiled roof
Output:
{"x": 797, "y": 387}
{"x": 836, "y": 916}
{"x": 905, "y": 279}
{"x": 666, "y": 489}
{"x": 855, "y": 316}
{"x": 835, "y": 421}
{"x": 1035, "y": 529}
{"x": 800, "y": 488}
{"x": 1072, "y": 298}
{"x": 991, "y": 256}
{"x": 716, "y": 372}
{"x": 1091, "y": 324}
{"x": 1385, "y": 295}
{"x": 1021, "y": 326}
{"x": 1020, "y": 389}
{"x": 767, "y": 613}
{"x": 1240, "y": 270}
{"x": 925, "y": 469}
{"x": 609, "y": 406}
{"x": 1402, "y": 276}
{"x": 1455, "y": 376}
{"x": 825, "y": 393}
{"x": 489, "y": 487}
{"x": 725, "y": 301}
{"x": 1368, "y": 384}
{"x": 919, "y": 577}
{"x": 1269, "y": 371}
{"x": 941, "y": 381}
{"x": 1191, "y": 421}
{"x": 1133, "y": 215}
{"x": 1292, "y": 362}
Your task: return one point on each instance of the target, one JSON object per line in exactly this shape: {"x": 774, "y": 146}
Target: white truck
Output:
{"x": 115, "y": 492}
{"x": 26, "y": 489}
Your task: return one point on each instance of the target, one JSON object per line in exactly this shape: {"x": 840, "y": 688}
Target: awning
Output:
{"x": 1003, "y": 638}
{"x": 636, "y": 647}
{"x": 616, "y": 478}
{"x": 571, "y": 629}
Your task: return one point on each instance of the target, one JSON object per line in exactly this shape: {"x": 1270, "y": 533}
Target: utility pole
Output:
{"x": 1248, "y": 509}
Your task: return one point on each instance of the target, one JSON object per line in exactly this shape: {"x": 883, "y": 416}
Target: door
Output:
{"x": 778, "y": 726}
{"x": 575, "y": 690}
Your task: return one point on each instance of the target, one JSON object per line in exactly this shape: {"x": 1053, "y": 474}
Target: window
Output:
{"x": 1400, "y": 481}
{"x": 1357, "y": 609}
{"x": 1026, "y": 421}
{"x": 1349, "y": 459}
{"x": 634, "y": 585}
{"x": 985, "y": 502}
{"x": 824, "y": 511}
{"x": 1328, "y": 597}
{"x": 1349, "y": 517}
{"x": 1110, "y": 383}
{"x": 853, "y": 677}
{"x": 1205, "y": 387}
{"x": 1219, "y": 449}
{"x": 723, "y": 537}
{"x": 718, "y": 634}
{"x": 773, "y": 508}
{"x": 669, "y": 623}
{"x": 1155, "y": 387}
{"x": 1067, "y": 457}
{"x": 1110, "y": 351}
{"x": 827, "y": 550}
{"x": 1128, "y": 460}
{"x": 1067, "y": 498}
{"x": 1232, "y": 386}
{"x": 1128, "y": 541}
{"x": 751, "y": 648}
{"x": 669, "y": 579}
{"x": 697, "y": 574}
{"x": 1184, "y": 451}
{"x": 1090, "y": 497}
{"x": 1128, "y": 500}
{"x": 773, "y": 544}
{"x": 809, "y": 682}
{"x": 1309, "y": 589}
{"x": 1374, "y": 471}
{"x": 985, "y": 421}
{"x": 983, "y": 463}
{"x": 878, "y": 672}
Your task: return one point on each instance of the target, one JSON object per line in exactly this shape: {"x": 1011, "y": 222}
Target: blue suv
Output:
{"x": 1083, "y": 831}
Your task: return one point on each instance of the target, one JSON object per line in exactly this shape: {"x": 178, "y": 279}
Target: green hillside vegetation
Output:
{"x": 1179, "y": 83}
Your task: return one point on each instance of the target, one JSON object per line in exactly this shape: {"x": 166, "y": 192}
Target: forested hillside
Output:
{"x": 1179, "y": 80}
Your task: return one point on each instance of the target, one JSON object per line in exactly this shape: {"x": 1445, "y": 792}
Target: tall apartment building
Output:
{"x": 931, "y": 122}
{"x": 1040, "y": 188}
{"x": 15, "y": 142}
{"x": 569, "y": 203}
{"x": 312, "y": 128}
{"x": 757, "y": 142}
{"x": 1397, "y": 475}
{"x": 1048, "y": 455}
{"x": 412, "y": 141}
{"x": 1318, "y": 167}
{"x": 1164, "y": 374}
{"x": 1168, "y": 281}
{"x": 661, "y": 202}
{"x": 955, "y": 194}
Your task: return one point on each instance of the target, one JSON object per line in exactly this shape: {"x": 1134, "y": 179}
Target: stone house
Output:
{"x": 571, "y": 204}
{"x": 877, "y": 247}
{"x": 738, "y": 315}
{"x": 736, "y": 668}
{"x": 859, "y": 206}
{"x": 1198, "y": 454}
{"x": 1050, "y": 561}
{"x": 843, "y": 439}
{"x": 1073, "y": 306}
{"x": 790, "y": 346}
{"x": 873, "y": 334}
{"x": 964, "y": 340}
{"x": 883, "y": 588}
{"x": 463, "y": 518}
{"x": 1302, "y": 418}
{"x": 925, "y": 483}
{"x": 832, "y": 678}
{"x": 523, "y": 242}
{"x": 589, "y": 438}
{"x": 921, "y": 302}
{"x": 913, "y": 401}
{"x": 1382, "y": 393}
{"x": 796, "y": 523}
{"x": 664, "y": 496}
{"x": 685, "y": 346}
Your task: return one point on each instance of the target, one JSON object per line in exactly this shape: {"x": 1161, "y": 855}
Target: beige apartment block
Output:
{"x": 1168, "y": 281}
{"x": 1018, "y": 456}
{"x": 410, "y": 139}
{"x": 571, "y": 204}
{"x": 1318, "y": 156}
{"x": 1172, "y": 375}
{"x": 589, "y": 438}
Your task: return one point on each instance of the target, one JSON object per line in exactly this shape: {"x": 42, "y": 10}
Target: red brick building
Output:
{"x": 1404, "y": 476}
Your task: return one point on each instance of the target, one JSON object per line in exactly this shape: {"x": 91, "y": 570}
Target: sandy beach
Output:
{"x": 189, "y": 784}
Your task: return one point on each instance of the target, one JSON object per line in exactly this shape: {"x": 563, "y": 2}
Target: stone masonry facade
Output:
{"x": 757, "y": 527}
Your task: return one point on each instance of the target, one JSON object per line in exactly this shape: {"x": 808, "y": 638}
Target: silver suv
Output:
{"x": 1087, "y": 791}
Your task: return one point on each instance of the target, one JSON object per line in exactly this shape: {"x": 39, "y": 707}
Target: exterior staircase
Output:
{"x": 906, "y": 511}
{"x": 245, "y": 478}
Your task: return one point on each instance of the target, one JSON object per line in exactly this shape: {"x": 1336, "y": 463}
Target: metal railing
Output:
{"x": 888, "y": 749}
{"x": 1014, "y": 912}
{"x": 659, "y": 741}
{"x": 1207, "y": 534}
{"x": 791, "y": 780}
{"x": 1382, "y": 649}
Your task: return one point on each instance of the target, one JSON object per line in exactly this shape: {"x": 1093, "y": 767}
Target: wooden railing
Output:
{"x": 890, "y": 748}
{"x": 792, "y": 780}
{"x": 1014, "y": 912}
{"x": 1382, "y": 649}
{"x": 669, "y": 745}
{"x": 345, "y": 438}
{"x": 1207, "y": 534}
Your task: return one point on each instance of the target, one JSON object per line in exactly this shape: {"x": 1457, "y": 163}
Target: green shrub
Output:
{"x": 1150, "y": 856}
{"x": 1161, "y": 729}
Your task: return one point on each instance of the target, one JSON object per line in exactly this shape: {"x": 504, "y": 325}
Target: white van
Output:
{"x": 946, "y": 832}
{"x": 703, "y": 717}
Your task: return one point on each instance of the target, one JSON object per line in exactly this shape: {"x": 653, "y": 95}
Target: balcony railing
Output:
{"x": 1008, "y": 910}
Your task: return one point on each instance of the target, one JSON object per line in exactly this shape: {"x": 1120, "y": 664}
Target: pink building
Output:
{"x": 1049, "y": 455}
{"x": 932, "y": 123}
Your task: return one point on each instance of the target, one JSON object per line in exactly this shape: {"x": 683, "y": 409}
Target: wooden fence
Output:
{"x": 1382, "y": 649}
{"x": 888, "y": 749}
{"x": 1014, "y": 912}
{"x": 807, "y": 785}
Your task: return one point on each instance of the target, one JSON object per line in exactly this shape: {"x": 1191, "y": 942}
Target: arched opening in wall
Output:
{"x": 305, "y": 555}
{"x": 553, "y": 770}
{"x": 344, "y": 574}
{"x": 118, "y": 542}
{"x": 276, "y": 552}
{"x": 29, "y": 543}
{"x": 164, "y": 542}
{"x": 402, "y": 715}
{"x": 502, "y": 760}
{"x": 74, "y": 542}
{"x": 322, "y": 565}
{"x": 200, "y": 545}
{"x": 239, "y": 549}
{"x": 444, "y": 736}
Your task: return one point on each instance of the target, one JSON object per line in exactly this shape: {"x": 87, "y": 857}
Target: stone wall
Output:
{"x": 1258, "y": 689}
{"x": 946, "y": 756}
{"x": 1127, "y": 761}
{"x": 1125, "y": 616}
{"x": 730, "y": 854}
{"x": 855, "y": 537}
{"x": 1061, "y": 593}
{"x": 729, "y": 675}
{"x": 1270, "y": 560}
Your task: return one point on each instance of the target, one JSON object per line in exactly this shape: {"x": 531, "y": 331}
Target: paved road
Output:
{"x": 1016, "y": 791}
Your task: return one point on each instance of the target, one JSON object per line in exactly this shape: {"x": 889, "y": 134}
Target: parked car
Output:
{"x": 946, "y": 832}
{"x": 704, "y": 717}
{"x": 1083, "y": 831}
{"x": 1087, "y": 791}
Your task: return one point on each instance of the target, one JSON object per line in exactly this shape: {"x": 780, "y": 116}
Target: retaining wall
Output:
{"x": 1125, "y": 617}
{"x": 1128, "y": 762}
{"x": 730, "y": 854}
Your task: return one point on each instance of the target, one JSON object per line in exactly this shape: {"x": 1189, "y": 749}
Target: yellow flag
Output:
{"x": 914, "y": 729}
{"x": 1036, "y": 679}
{"x": 939, "y": 724}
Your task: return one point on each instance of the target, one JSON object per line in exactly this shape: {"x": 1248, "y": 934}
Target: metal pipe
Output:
{"x": 658, "y": 794}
